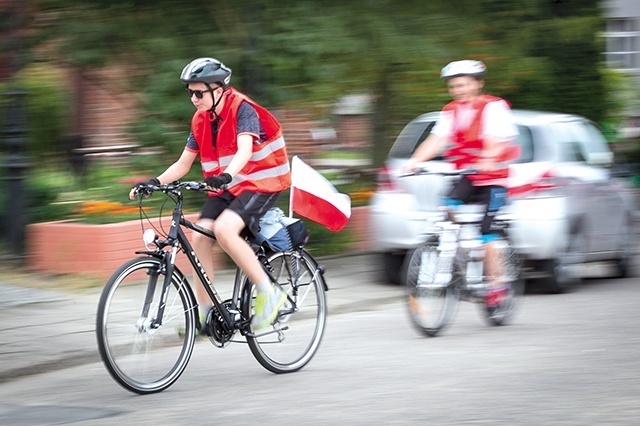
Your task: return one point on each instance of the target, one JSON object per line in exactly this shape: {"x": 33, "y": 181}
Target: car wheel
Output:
{"x": 622, "y": 264}
{"x": 563, "y": 271}
{"x": 392, "y": 266}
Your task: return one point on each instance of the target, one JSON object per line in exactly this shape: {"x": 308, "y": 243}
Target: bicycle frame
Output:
{"x": 177, "y": 239}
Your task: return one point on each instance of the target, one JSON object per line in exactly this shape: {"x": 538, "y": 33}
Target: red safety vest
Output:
{"x": 467, "y": 145}
{"x": 268, "y": 168}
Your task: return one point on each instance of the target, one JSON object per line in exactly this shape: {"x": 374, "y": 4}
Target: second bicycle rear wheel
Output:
{"x": 431, "y": 304}
{"x": 290, "y": 343}
{"x": 511, "y": 265}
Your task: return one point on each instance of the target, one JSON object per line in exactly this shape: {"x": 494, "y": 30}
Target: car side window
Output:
{"x": 525, "y": 141}
{"x": 410, "y": 138}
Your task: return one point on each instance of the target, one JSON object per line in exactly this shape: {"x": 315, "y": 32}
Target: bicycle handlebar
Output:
{"x": 174, "y": 188}
{"x": 459, "y": 172}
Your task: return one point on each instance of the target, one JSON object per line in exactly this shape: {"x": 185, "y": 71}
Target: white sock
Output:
{"x": 204, "y": 310}
{"x": 265, "y": 286}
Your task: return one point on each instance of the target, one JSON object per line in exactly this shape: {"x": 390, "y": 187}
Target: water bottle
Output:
{"x": 470, "y": 241}
{"x": 447, "y": 248}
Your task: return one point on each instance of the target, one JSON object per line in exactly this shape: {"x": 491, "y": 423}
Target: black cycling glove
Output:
{"x": 141, "y": 186}
{"x": 218, "y": 181}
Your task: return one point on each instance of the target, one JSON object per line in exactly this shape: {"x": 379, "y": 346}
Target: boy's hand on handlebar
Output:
{"x": 219, "y": 181}
{"x": 411, "y": 166}
{"x": 140, "y": 187}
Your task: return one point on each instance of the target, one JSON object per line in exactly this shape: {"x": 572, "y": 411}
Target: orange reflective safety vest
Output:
{"x": 467, "y": 145}
{"x": 268, "y": 168}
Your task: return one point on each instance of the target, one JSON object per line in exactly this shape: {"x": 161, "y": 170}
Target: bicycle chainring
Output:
{"x": 217, "y": 330}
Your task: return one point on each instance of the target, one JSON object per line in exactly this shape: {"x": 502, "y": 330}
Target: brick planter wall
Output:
{"x": 76, "y": 248}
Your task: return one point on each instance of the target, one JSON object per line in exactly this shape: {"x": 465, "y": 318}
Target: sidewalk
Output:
{"x": 45, "y": 330}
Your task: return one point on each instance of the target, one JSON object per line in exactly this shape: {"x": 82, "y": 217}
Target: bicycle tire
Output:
{"x": 140, "y": 358}
{"x": 431, "y": 306}
{"x": 502, "y": 313}
{"x": 292, "y": 341}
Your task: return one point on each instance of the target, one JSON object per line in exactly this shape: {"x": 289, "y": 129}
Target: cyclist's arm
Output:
{"x": 242, "y": 156}
{"x": 499, "y": 130}
{"x": 428, "y": 149}
{"x": 180, "y": 168}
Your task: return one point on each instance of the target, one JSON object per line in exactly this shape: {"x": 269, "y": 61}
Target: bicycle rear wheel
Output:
{"x": 140, "y": 355}
{"x": 291, "y": 342}
{"x": 512, "y": 262}
{"x": 431, "y": 304}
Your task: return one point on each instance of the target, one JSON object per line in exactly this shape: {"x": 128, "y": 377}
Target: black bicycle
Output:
{"x": 448, "y": 267}
{"x": 148, "y": 319}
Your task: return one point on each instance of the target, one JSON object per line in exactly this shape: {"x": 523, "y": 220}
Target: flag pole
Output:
{"x": 291, "y": 191}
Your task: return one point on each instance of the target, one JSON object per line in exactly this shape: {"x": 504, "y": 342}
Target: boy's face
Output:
{"x": 208, "y": 98}
{"x": 464, "y": 88}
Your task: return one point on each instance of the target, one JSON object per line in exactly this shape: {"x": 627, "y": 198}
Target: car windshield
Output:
{"x": 410, "y": 137}
{"x": 578, "y": 140}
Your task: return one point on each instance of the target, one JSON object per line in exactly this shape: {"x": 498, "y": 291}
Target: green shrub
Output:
{"x": 47, "y": 105}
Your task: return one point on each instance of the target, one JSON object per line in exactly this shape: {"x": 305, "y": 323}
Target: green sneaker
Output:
{"x": 267, "y": 307}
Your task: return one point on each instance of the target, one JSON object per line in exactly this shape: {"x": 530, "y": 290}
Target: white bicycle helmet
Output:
{"x": 464, "y": 67}
{"x": 206, "y": 70}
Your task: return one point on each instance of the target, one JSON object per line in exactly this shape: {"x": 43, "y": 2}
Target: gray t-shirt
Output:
{"x": 248, "y": 122}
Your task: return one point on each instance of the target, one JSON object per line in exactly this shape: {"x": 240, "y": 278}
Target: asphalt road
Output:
{"x": 568, "y": 359}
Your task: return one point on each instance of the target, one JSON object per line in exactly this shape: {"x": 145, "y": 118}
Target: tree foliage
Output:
{"x": 541, "y": 54}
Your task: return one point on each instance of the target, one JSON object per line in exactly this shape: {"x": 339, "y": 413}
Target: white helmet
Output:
{"x": 464, "y": 67}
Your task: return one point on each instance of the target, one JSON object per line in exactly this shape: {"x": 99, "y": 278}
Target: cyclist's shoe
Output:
{"x": 201, "y": 332}
{"x": 200, "y": 329}
{"x": 267, "y": 307}
{"x": 496, "y": 295}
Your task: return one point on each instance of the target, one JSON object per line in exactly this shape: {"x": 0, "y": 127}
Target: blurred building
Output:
{"x": 622, "y": 53}
{"x": 622, "y": 35}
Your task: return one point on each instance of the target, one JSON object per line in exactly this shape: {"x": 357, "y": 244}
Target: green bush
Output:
{"x": 46, "y": 108}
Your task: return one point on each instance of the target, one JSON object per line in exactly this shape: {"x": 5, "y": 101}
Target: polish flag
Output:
{"x": 315, "y": 198}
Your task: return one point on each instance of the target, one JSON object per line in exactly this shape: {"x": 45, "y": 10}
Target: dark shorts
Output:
{"x": 250, "y": 206}
{"x": 494, "y": 197}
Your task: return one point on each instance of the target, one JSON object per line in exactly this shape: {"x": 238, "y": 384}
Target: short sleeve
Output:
{"x": 444, "y": 125}
{"x": 248, "y": 121}
{"x": 498, "y": 121}
{"x": 192, "y": 144}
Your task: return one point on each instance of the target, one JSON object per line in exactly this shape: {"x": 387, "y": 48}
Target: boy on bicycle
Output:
{"x": 243, "y": 156}
{"x": 479, "y": 129}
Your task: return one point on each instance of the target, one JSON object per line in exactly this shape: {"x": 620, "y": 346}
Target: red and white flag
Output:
{"x": 315, "y": 198}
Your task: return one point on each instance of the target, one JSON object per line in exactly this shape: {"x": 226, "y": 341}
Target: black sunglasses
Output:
{"x": 199, "y": 93}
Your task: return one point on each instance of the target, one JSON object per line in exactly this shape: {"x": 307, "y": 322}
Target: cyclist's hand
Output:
{"x": 137, "y": 189}
{"x": 485, "y": 165}
{"x": 218, "y": 182}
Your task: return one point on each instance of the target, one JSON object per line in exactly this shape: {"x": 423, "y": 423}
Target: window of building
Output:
{"x": 623, "y": 44}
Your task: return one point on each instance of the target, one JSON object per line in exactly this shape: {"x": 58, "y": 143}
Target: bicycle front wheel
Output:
{"x": 431, "y": 304}
{"x": 291, "y": 342}
{"x": 143, "y": 353}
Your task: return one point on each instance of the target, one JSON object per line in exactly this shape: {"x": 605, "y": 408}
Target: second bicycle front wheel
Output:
{"x": 142, "y": 354}
{"x": 431, "y": 304}
{"x": 291, "y": 342}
